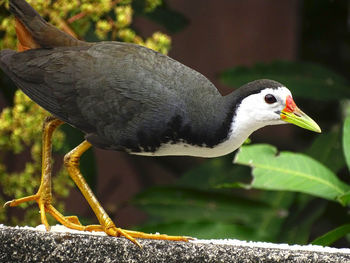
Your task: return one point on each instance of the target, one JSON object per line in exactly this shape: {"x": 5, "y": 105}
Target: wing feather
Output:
{"x": 121, "y": 95}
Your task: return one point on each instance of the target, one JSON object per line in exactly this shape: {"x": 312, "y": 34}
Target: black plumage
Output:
{"x": 124, "y": 96}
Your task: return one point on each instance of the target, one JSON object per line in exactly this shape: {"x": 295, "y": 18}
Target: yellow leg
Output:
{"x": 44, "y": 196}
{"x": 71, "y": 160}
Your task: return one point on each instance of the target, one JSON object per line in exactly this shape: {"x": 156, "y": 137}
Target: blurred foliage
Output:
{"x": 21, "y": 122}
{"x": 304, "y": 79}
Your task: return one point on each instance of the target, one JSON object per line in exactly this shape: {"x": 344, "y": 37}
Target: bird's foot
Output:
{"x": 112, "y": 230}
{"x": 137, "y": 234}
{"x": 73, "y": 222}
{"x": 43, "y": 198}
{"x": 44, "y": 202}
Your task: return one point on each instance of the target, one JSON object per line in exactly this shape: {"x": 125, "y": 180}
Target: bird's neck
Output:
{"x": 235, "y": 124}
{"x": 242, "y": 123}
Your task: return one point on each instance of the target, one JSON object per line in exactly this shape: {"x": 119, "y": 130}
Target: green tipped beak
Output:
{"x": 299, "y": 118}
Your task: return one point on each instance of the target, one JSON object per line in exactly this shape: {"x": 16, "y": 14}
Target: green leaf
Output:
{"x": 184, "y": 207}
{"x": 177, "y": 203}
{"x": 346, "y": 140}
{"x": 302, "y": 78}
{"x": 304, "y": 211}
{"x": 345, "y": 198}
{"x": 270, "y": 224}
{"x": 327, "y": 149}
{"x": 332, "y": 236}
{"x": 214, "y": 172}
{"x": 290, "y": 172}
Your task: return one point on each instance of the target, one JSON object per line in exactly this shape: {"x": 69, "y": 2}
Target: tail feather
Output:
{"x": 25, "y": 39}
{"x": 34, "y": 32}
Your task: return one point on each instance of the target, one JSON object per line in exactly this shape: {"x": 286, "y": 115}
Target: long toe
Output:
{"x": 137, "y": 234}
{"x": 118, "y": 232}
{"x": 16, "y": 202}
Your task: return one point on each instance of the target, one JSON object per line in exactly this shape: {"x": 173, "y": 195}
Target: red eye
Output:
{"x": 269, "y": 98}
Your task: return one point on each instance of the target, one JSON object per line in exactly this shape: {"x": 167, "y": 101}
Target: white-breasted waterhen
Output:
{"x": 129, "y": 98}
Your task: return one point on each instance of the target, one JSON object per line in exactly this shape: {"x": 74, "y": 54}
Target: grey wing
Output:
{"x": 133, "y": 103}
{"x": 125, "y": 116}
{"x": 109, "y": 96}
{"x": 27, "y": 78}
{"x": 44, "y": 76}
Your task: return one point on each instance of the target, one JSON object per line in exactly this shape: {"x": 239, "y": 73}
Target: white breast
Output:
{"x": 235, "y": 139}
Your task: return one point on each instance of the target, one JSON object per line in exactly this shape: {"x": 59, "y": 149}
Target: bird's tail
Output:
{"x": 34, "y": 32}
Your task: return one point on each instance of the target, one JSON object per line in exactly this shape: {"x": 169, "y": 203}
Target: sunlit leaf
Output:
{"x": 290, "y": 172}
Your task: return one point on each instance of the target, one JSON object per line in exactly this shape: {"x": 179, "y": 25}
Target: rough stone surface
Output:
{"x": 23, "y": 245}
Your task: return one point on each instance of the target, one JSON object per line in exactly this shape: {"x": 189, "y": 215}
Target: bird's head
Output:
{"x": 268, "y": 102}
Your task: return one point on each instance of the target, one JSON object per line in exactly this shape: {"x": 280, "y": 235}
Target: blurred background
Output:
{"x": 303, "y": 44}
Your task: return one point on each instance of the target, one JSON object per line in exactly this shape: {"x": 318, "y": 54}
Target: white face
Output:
{"x": 264, "y": 108}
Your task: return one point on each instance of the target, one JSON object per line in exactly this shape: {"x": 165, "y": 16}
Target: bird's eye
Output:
{"x": 269, "y": 98}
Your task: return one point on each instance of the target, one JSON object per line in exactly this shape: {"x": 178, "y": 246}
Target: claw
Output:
{"x": 7, "y": 204}
{"x": 115, "y": 231}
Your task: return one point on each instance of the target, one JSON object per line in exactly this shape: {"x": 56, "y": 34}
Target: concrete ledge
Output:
{"x": 30, "y": 245}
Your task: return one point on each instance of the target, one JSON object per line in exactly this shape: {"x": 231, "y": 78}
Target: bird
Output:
{"x": 126, "y": 97}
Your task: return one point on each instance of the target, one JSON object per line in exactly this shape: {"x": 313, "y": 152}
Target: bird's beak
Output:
{"x": 291, "y": 113}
